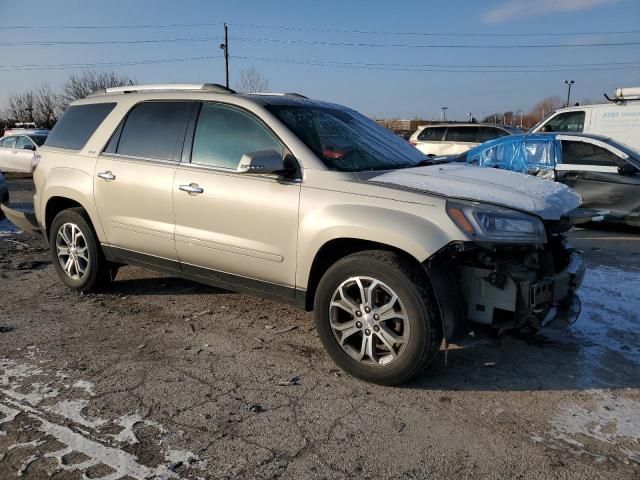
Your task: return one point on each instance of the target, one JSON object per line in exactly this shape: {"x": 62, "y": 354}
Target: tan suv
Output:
{"x": 305, "y": 202}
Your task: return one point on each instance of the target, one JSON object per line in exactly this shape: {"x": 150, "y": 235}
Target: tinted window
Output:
{"x": 490, "y": 133}
{"x": 22, "y": 142}
{"x": 565, "y": 122}
{"x": 223, "y": 135}
{"x": 154, "y": 130}
{"x": 77, "y": 125}
{"x": 581, "y": 153}
{"x": 462, "y": 134}
{"x": 38, "y": 139}
{"x": 8, "y": 142}
{"x": 432, "y": 134}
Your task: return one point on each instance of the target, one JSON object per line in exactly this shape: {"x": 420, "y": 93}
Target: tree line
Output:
{"x": 44, "y": 105}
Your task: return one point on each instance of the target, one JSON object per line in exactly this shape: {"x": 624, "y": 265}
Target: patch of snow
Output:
{"x": 86, "y": 386}
{"x": 549, "y": 200}
{"x": 8, "y": 415}
{"x": 127, "y": 434}
{"x": 72, "y": 410}
{"x": 28, "y": 461}
{"x": 610, "y": 317}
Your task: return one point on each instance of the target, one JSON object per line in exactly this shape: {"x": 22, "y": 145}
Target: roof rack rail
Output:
{"x": 275, "y": 94}
{"x": 624, "y": 94}
{"x": 201, "y": 87}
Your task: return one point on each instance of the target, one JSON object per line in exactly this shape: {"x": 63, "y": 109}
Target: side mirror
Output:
{"x": 29, "y": 147}
{"x": 262, "y": 161}
{"x": 628, "y": 169}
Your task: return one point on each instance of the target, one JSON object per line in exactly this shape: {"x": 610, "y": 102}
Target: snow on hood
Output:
{"x": 549, "y": 200}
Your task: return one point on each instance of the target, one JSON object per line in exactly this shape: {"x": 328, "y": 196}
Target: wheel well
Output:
{"x": 333, "y": 251}
{"x": 54, "y": 206}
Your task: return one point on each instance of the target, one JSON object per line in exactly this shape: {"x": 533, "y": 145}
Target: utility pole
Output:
{"x": 225, "y": 46}
{"x": 444, "y": 113}
{"x": 569, "y": 83}
{"x": 470, "y": 115}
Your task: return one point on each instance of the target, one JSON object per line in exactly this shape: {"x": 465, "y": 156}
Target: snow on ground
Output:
{"x": 610, "y": 318}
{"x": 608, "y": 333}
{"x": 35, "y": 393}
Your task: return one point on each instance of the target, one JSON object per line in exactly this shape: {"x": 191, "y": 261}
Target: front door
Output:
{"x": 592, "y": 171}
{"x": 233, "y": 227}
{"x": 133, "y": 181}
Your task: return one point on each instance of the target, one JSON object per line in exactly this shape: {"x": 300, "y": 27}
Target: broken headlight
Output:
{"x": 488, "y": 223}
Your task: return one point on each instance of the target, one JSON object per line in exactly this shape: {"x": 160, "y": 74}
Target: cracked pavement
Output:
{"x": 164, "y": 378}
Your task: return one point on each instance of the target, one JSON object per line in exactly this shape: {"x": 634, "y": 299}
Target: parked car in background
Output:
{"x": 455, "y": 138}
{"x": 603, "y": 171}
{"x": 18, "y": 147}
{"x": 619, "y": 119}
{"x": 306, "y": 202}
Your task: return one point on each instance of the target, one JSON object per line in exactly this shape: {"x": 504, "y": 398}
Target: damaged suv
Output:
{"x": 306, "y": 202}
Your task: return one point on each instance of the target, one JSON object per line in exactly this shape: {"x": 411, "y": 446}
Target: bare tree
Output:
{"x": 81, "y": 85}
{"x": 20, "y": 107}
{"x": 252, "y": 81}
{"x": 46, "y": 103}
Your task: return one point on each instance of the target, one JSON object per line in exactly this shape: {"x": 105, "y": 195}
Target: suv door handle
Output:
{"x": 192, "y": 189}
{"x": 107, "y": 176}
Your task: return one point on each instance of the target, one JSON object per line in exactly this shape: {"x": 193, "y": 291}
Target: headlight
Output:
{"x": 486, "y": 223}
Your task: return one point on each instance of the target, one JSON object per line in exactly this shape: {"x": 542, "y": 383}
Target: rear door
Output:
{"x": 23, "y": 154}
{"x": 235, "y": 227}
{"x": 593, "y": 171}
{"x": 133, "y": 181}
{"x": 459, "y": 139}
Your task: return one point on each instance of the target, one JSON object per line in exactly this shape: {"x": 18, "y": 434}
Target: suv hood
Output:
{"x": 547, "y": 199}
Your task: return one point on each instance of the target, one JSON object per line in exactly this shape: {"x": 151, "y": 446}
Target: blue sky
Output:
{"x": 375, "y": 92}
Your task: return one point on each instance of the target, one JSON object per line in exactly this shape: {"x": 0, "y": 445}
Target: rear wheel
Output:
{"x": 376, "y": 317}
{"x": 77, "y": 256}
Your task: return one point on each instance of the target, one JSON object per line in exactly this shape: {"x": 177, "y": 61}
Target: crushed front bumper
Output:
{"x": 565, "y": 304}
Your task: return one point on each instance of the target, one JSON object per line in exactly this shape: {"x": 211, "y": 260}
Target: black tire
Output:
{"x": 411, "y": 285}
{"x": 98, "y": 271}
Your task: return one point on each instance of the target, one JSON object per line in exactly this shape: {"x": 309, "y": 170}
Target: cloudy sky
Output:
{"x": 394, "y": 59}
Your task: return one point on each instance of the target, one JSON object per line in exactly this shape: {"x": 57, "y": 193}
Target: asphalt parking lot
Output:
{"x": 163, "y": 378}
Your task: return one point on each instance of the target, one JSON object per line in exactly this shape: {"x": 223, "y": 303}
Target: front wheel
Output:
{"x": 376, "y": 317}
{"x": 77, "y": 257}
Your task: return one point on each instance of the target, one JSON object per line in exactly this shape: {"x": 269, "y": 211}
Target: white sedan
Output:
{"x": 17, "y": 150}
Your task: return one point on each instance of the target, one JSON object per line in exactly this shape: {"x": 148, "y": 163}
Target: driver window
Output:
{"x": 566, "y": 122}
{"x": 224, "y": 134}
{"x": 22, "y": 142}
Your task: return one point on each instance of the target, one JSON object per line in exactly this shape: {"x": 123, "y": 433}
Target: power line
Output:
{"x": 433, "y": 34}
{"x": 421, "y": 68}
{"x": 105, "y": 42}
{"x": 409, "y": 45}
{"x": 479, "y": 68}
{"x": 316, "y": 29}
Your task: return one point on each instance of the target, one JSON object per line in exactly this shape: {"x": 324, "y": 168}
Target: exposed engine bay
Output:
{"x": 507, "y": 286}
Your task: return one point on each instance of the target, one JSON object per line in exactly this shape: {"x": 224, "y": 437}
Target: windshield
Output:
{"x": 38, "y": 139}
{"x": 346, "y": 140}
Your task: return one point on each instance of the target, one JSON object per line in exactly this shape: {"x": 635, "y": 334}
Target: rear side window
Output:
{"x": 462, "y": 134}
{"x": 566, "y": 122}
{"x": 77, "y": 125}
{"x": 490, "y": 133}
{"x": 154, "y": 130}
{"x": 432, "y": 134}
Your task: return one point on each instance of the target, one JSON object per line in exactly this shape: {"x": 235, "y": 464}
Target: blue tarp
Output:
{"x": 518, "y": 153}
